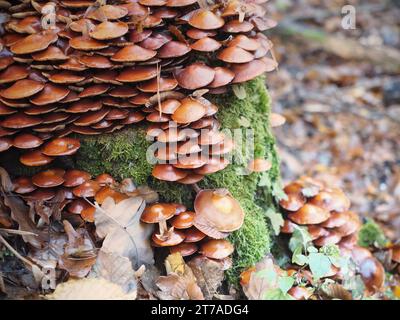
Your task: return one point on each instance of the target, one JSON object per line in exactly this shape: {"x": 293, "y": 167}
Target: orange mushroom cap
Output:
{"x": 216, "y": 248}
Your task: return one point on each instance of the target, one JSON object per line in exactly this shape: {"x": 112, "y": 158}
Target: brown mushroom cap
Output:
{"x": 109, "y": 12}
{"x": 174, "y": 238}
{"x": 244, "y": 42}
{"x": 222, "y": 77}
{"x": 168, "y": 172}
{"x": 216, "y": 248}
{"x": 180, "y": 3}
{"x": 184, "y": 248}
{"x": 87, "y": 189}
{"x": 295, "y": 198}
{"x": 309, "y": 214}
{"x": 173, "y": 49}
{"x": 109, "y": 30}
{"x": 137, "y": 74}
{"x": 237, "y": 26}
{"x": 206, "y": 44}
{"x": 332, "y": 237}
{"x": 61, "y": 147}
{"x": 105, "y": 179}
{"x": 183, "y": 221}
{"x": 195, "y": 76}
{"x": 190, "y": 110}
{"x": 194, "y": 235}
{"x": 276, "y": 120}
{"x": 35, "y": 158}
{"x": 13, "y": 73}
{"x": 259, "y": 165}
{"x": 158, "y": 85}
{"x": 213, "y": 165}
{"x": 52, "y": 53}
{"x": 34, "y": 42}
{"x": 66, "y": 77}
{"x": 133, "y": 53}
{"x": 352, "y": 225}
{"x": 250, "y": 70}
{"x": 331, "y": 200}
{"x": 288, "y": 226}
{"x": 86, "y": 44}
{"x": 50, "y": 94}
{"x": 41, "y": 194}
{"x": 22, "y": 89}
{"x": 26, "y": 141}
{"x": 220, "y": 209}
{"x": 75, "y": 177}
{"x": 20, "y": 120}
{"x": 206, "y": 20}
{"x": 235, "y": 55}
{"x": 372, "y": 273}
{"x": 158, "y": 212}
{"x": 396, "y": 253}
{"x": 23, "y": 185}
{"x": 77, "y": 206}
{"x": 95, "y": 61}
{"x": 49, "y": 178}
{"x": 106, "y": 192}
{"x": 336, "y": 219}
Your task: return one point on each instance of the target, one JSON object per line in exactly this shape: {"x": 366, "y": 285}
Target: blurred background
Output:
{"x": 339, "y": 90}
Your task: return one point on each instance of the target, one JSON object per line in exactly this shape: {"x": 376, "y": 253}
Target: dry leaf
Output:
{"x": 124, "y": 233}
{"x": 90, "y": 289}
{"x": 209, "y": 274}
{"x": 116, "y": 269}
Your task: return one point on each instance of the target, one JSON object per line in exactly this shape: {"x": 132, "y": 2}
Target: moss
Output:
{"x": 371, "y": 234}
{"x": 123, "y": 154}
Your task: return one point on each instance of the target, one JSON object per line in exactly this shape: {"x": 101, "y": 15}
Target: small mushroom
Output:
{"x": 61, "y": 147}
{"x": 309, "y": 214}
{"x": 74, "y": 177}
{"x": 183, "y": 220}
{"x": 216, "y": 249}
{"x": 49, "y": 178}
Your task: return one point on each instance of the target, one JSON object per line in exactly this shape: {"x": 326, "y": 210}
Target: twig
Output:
{"x": 19, "y": 232}
{"x": 16, "y": 253}
{"x": 2, "y": 285}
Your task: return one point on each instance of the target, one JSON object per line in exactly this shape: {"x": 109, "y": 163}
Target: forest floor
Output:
{"x": 342, "y": 115}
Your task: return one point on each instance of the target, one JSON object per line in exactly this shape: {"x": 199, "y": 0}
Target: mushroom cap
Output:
{"x": 206, "y": 44}
{"x": 259, "y": 165}
{"x": 87, "y": 214}
{"x": 20, "y": 120}
{"x": 106, "y": 192}
{"x": 173, "y": 49}
{"x": 195, "y": 76}
{"x": 34, "y": 43}
{"x": 235, "y": 55}
{"x": 135, "y": 36}
{"x": 52, "y": 53}
{"x": 87, "y": 189}
{"x": 222, "y": 77}
{"x": 49, "y": 178}
{"x": 168, "y": 106}
{"x": 184, "y": 248}
{"x": 300, "y": 293}
{"x": 50, "y": 94}
{"x": 133, "y": 53}
{"x": 190, "y": 110}
{"x": 276, "y": 120}
{"x": 110, "y": 12}
{"x": 206, "y": 20}
{"x": 216, "y": 248}
{"x": 22, "y": 89}
{"x": 183, "y": 220}
{"x": 13, "y": 73}
{"x": 105, "y": 179}
{"x": 77, "y": 206}
{"x": 332, "y": 237}
{"x": 352, "y": 225}
{"x": 336, "y": 219}
{"x": 332, "y": 200}
{"x": 94, "y": 90}
{"x": 66, "y": 77}
{"x": 219, "y": 209}
{"x": 316, "y": 231}
{"x": 396, "y": 253}
{"x": 157, "y": 40}
{"x": 244, "y": 42}
{"x": 194, "y": 235}
{"x": 250, "y": 70}
{"x": 295, "y": 198}
{"x": 61, "y": 147}
{"x": 237, "y": 26}
{"x": 109, "y": 30}
{"x": 309, "y": 214}
{"x": 35, "y": 158}
{"x": 372, "y": 273}
{"x": 95, "y": 61}
{"x": 40, "y": 194}
{"x": 158, "y": 85}
{"x": 288, "y": 226}
{"x": 158, "y": 212}
{"x": 137, "y": 74}
{"x": 91, "y": 117}
{"x": 86, "y": 44}
{"x": 175, "y": 237}
{"x": 23, "y": 185}
{"x": 168, "y": 172}
{"x": 26, "y": 141}
{"x": 180, "y": 3}
{"x": 75, "y": 177}
{"x": 197, "y": 34}
{"x": 213, "y": 165}
{"x": 123, "y": 92}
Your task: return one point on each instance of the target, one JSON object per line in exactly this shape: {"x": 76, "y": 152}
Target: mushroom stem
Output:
{"x": 196, "y": 188}
{"x": 163, "y": 228}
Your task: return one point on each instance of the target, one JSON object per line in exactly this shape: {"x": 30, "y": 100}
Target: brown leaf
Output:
{"x": 209, "y": 274}
{"x": 79, "y": 254}
{"x": 123, "y": 232}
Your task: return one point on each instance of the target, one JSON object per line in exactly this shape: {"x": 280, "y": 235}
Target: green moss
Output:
{"x": 123, "y": 154}
{"x": 371, "y": 234}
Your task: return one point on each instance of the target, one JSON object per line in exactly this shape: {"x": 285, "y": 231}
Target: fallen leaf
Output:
{"x": 90, "y": 289}
{"x": 123, "y": 232}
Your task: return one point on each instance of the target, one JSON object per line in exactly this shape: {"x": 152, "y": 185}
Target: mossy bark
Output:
{"x": 123, "y": 154}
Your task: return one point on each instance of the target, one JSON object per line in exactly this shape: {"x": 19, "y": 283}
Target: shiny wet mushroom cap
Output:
{"x": 206, "y": 20}
{"x": 49, "y": 178}
{"x": 168, "y": 172}
{"x": 216, "y": 248}
{"x": 61, "y": 147}
{"x": 309, "y": 214}
{"x": 195, "y": 76}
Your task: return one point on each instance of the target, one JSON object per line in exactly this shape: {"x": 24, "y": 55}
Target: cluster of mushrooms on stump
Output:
{"x": 73, "y": 67}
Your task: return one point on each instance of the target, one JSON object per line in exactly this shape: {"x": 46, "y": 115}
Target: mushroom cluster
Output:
{"x": 323, "y": 210}
{"x": 74, "y": 192}
{"x": 93, "y": 67}
{"x": 201, "y": 231}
